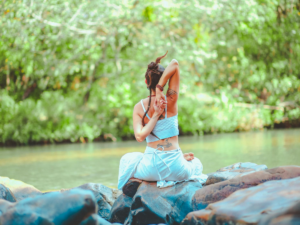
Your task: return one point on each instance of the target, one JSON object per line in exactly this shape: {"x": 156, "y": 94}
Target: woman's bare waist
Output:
{"x": 166, "y": 144}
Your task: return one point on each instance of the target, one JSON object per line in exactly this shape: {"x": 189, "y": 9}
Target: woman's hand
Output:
{"x": 159, "y": 106}
{"x": 159, "y": 95}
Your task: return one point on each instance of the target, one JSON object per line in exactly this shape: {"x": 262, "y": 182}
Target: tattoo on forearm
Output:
{"x": 171, "y": 92}
{"x": 166, "y": 144}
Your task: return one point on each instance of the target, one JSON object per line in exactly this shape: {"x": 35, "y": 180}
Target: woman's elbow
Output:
{"x": 139, "y": 138}
{"x": 175, "y": 62}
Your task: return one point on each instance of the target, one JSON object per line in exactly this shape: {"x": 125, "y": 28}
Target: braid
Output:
{"x": 143, "y": 122}
{"x": 153, "y": 74}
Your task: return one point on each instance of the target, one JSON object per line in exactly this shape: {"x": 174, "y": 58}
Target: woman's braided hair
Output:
{"x": 153, "y": 75}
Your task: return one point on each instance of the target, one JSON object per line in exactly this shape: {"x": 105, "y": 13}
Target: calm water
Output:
{"x": 53, "y": 167}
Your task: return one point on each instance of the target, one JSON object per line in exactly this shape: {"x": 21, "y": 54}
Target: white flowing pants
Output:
{"x": 165, "y": 167}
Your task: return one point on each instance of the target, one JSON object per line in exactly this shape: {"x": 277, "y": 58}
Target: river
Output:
{"x": 52, "y": 167}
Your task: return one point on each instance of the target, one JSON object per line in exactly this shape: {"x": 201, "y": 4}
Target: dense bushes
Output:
{"x": 74, "y": 70}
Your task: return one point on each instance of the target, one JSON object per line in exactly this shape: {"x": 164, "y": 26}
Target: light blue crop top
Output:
{"x": 165, "y": 128}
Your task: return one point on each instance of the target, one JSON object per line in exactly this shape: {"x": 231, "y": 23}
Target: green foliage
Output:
{"x": 73, "y": 70}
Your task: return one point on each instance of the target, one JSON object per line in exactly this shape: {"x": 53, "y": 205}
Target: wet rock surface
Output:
{"x": 4, "y": 206}
{"x": 6, "y": 194}
{"x": 229, "y": 172}
{"x": 283, "y": 217}
{"x": 130, "y": 188}
{"x": 105, "y": 197}
{"x": 20, "y": 189}
{"x": 266, "y": 196}
{"x": 219, "y": 191}
{"x": 251, "y": 205}
{"x": 153, "y": 205}
{"x": 68, "y": 208}
{"x": 95, "y": 219}
{"x": 120, "y": 210}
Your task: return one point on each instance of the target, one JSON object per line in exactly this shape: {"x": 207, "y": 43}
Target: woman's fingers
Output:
{"x": 160, "y": 104}
{"x": 191, "y": 155}
{"x": 163, "y": 105}
{"x": 163, "y": 102}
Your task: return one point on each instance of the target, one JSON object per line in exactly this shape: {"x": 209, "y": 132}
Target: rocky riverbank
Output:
{"x": 243, "y": 193}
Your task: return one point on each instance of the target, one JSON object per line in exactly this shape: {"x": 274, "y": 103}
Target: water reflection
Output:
{"x": 70, "y": 165}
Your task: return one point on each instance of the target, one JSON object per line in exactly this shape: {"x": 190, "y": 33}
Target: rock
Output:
{"x": 290, "y": 216}
{"x": 251, "y": 205}
{"x": 120, "y": 210}
{"x": 6, "y": 194}
{"x": 229, "y": 172}
{"x": 130, "y": 188}
{"x": 105, "y": 197}
{"x": 20, "y": 189}
{"x": 109, "y": 194}
{"x": 25, "y": 219}
{"x": 67, "y": 208}
{"x": 219, "y": 191}
{"x": 95, "y": 219}
{"x": 153, "y": 205}
{"x": 4, "y": 206}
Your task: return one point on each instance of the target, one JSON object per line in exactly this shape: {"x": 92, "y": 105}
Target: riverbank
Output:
{"x": 288, "y": 124}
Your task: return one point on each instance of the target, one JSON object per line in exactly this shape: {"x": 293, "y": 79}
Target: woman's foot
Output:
{"x": 188, "y": 156}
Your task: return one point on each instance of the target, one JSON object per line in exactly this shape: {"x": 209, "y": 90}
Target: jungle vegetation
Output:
{"x": 73, "y": 70}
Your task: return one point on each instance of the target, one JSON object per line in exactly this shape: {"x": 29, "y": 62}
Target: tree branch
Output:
{"x": 92, "y": 77}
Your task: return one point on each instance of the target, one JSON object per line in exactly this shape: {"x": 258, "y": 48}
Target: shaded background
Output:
{"x": 73, "y": 70}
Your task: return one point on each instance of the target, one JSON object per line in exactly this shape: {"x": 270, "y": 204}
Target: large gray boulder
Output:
{"x": 120, "y": 210}
{"x": 251, "y": 205}
{"x": 105, "y": 197}
{"x": 229, "y": 172}
{"x": 153, "y": 205}
{"x": 221, "y": 190}
{"x": 67, "y": 208}
{"x": 20, "y": 189}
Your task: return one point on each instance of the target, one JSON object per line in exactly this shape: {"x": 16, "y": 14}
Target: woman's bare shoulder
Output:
{"x": 138, "y": 106}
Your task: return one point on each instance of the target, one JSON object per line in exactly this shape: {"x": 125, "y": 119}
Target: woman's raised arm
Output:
{"x": 172, "y": 74}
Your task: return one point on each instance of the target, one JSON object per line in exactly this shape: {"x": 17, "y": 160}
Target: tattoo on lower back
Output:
{"x": 171, "y": 92}
{"x": 166, "y": 144}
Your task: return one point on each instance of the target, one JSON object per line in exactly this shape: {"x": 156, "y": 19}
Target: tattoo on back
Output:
{"x": 171, "y": 92}
{"x": 166, "y": 144}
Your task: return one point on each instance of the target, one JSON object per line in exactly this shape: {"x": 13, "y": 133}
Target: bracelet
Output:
{"x": 159, "y": 87}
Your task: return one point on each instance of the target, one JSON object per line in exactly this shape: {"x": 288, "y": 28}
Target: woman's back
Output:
{"x": 165, "y": 127}
{"x": 167, "y": 124}
{"x": 140, "y": 119}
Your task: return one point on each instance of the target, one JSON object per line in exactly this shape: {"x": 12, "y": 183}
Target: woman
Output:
{"x": 163, "y": 160}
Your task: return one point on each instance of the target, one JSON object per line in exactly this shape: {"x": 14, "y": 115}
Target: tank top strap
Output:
{"x": 145, "y": 109}
{"x": 166, "y": 109}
